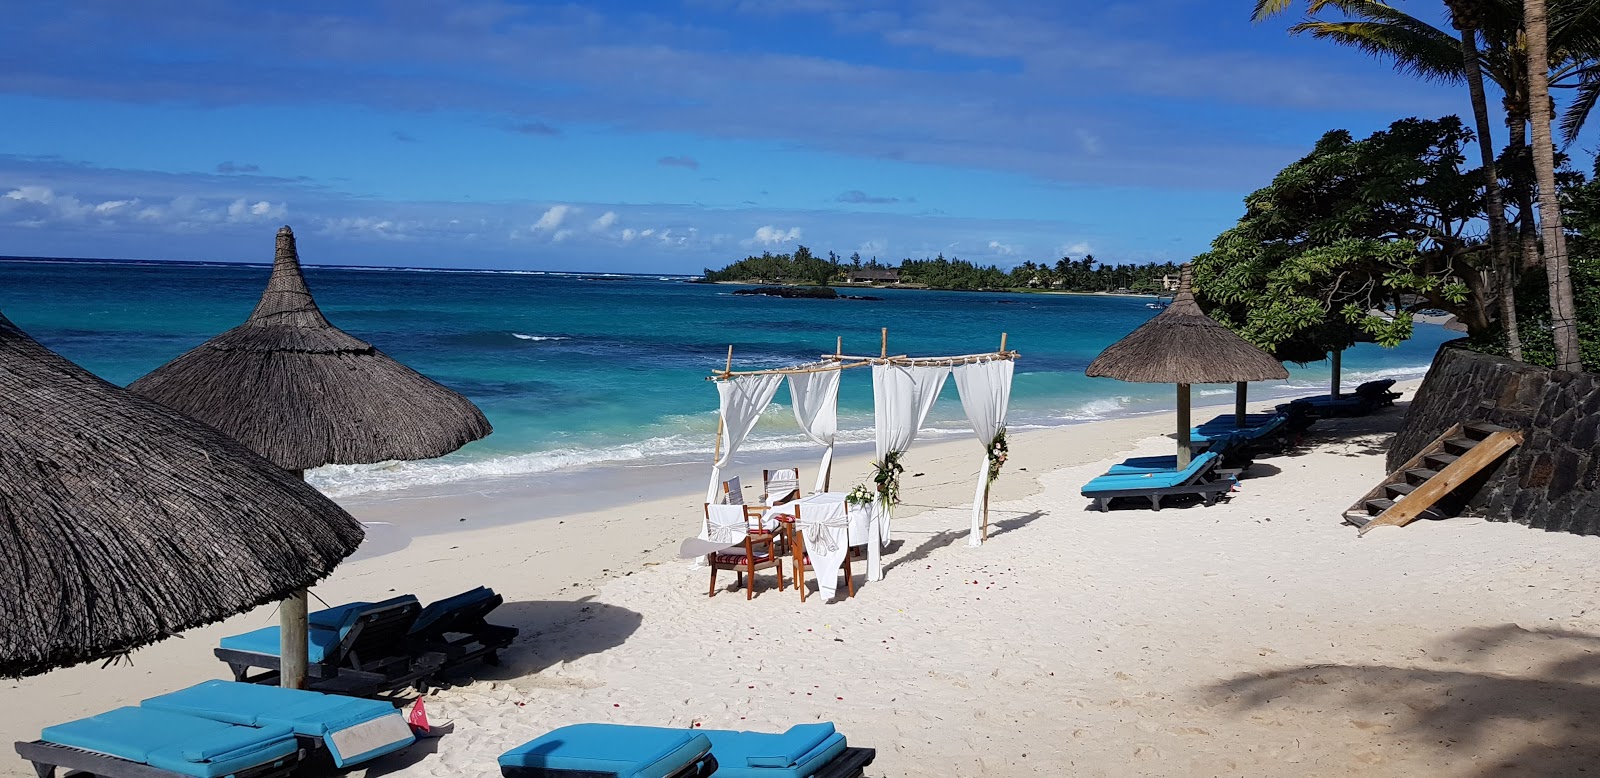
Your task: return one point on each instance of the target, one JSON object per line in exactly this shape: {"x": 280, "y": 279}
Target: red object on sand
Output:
{"x": 418, "y": 718}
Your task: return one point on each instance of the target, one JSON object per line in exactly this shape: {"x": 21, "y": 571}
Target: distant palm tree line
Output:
{"x": 1065, "y": 274}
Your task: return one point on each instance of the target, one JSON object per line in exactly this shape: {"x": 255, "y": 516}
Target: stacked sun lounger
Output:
{"x": 221, "y": 728}
{"x": 365, "y": 648}
{"x": 1159, "y": 477}
{"x": 617, "y": 751}
{"x": 1366, "y": 398}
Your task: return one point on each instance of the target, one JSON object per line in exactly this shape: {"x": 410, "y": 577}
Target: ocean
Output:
{"x": 581, "y": 369}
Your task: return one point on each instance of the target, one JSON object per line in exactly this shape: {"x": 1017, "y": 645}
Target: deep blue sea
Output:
{"x": 592, "y": 369}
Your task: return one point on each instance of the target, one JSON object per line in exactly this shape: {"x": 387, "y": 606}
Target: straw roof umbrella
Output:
{"x": 303, "y": 394}
{"x": 1183, "y": 346}
{"x": 123, "y": 522}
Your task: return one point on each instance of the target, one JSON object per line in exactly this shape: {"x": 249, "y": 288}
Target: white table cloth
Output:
{"x": 830, "y": 528}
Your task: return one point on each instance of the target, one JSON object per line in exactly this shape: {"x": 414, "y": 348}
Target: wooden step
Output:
{"x": 1402, "y": 488}
{"x": 1357, "y": 520}
{"x": 1463, "y": 444}
{"x": 1481, "y": 429}
{"x": 1377, "y": 506}
{"x": 1440, "y": 460}
{"x": 1421, "y": 473}
{"x": 1418, "y": 504}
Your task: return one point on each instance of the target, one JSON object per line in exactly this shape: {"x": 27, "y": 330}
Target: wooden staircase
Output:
{"x": 1413, "y": 491}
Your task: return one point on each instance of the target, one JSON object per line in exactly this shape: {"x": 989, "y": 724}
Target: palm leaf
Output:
{"x": 1588, "y": 93}
{"x": 1416, "y": 48}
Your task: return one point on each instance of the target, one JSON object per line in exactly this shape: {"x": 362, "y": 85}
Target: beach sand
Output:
{"x": 1255, "y": 637}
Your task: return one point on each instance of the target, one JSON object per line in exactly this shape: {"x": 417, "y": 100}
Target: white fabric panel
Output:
{"x": 725, "y": 527}
{"x": 824, "y": 524}
{"x": 780, "y": 484}
{"x": 743, "y": 400}
{"x": 985, "y": 389}
{"x": 815, "y": 397}
{"x": 902, "y": 396}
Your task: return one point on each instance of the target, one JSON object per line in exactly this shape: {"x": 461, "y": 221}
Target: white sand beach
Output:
{"x": 1255, "y": 637}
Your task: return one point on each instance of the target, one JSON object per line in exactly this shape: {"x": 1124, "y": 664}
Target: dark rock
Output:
{"x": 794, "y": 292}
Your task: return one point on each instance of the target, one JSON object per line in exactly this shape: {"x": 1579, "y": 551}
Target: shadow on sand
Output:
{"x": 1539, "y": 722}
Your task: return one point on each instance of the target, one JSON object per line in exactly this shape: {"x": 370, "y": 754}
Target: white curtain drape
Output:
{"x": 743, "y": 400}
{"x": 902, "y": 396}
{"x": 815, "y": 397}
{"x": 985, "y": 389}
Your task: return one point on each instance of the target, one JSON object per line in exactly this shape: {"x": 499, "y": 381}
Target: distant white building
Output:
{"x": 890, "y": 276}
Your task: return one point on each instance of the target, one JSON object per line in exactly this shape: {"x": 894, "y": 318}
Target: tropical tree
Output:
{"x": 1347, "y": 242}
{"x": 1563, "y": 315}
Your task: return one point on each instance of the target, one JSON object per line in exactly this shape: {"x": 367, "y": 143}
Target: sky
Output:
{"x": 660, "y": 136}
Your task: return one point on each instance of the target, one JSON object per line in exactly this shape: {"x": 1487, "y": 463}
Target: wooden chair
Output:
{"x": 796, "y": 541}
{"x": 780, "y": 486}
{"x": 732, "y": 492}
{"x": 758, "y": 551}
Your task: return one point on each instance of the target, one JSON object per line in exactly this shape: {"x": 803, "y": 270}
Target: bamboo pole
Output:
{"x": 716, "y": 449}
{"x": 1002, "y": 343}
{"x": 1240, "y": 393}
{"x": 838, "y": 346}
{"x": 884, "y": 340}
{"x": 986, "y": 505}
{"x": 1183, "y": 426}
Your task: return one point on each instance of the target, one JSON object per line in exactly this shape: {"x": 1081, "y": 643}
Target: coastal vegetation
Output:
{"x": 1064, "y": 274}
{"x": 1347, "y": 242}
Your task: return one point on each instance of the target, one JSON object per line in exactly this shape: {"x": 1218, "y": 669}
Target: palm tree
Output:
{"x": 1563, "y": 316}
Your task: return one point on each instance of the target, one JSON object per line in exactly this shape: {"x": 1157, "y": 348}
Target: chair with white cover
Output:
{"x": 749, "y": 548}
{"x": 825, "y": 531}
{"x": 780, "y": 486}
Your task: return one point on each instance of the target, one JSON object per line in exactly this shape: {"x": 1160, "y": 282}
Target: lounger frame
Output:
{"x": 1197, "y": 485}
{"x": 47, "y": 757}
{"x": 850, "y": 763}
{"x": 344, "y": 671}
{"x": 479, "y": 639}
{"x": 702, "y": 767}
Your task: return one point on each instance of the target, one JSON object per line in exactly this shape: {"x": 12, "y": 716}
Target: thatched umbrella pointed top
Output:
{"x": 303, "y": 393}
{"x": 1182, "y": 345}
{"x": 123, "y": 522}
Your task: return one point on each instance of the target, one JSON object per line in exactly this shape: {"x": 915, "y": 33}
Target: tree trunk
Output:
{"x": 1563, "y": 317}
{"x": 1499, "y": 234}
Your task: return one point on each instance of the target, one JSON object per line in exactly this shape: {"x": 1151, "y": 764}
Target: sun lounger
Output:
{"x": 1366, "y": 398}
{"x": 605, "y": 750}
{"x": 147, "y": 743}
{"x": 359, "y": 648}
{"x": 455, "y": 626}
{"x": 352, "y": 729}
{"x": 1197, "y": 479}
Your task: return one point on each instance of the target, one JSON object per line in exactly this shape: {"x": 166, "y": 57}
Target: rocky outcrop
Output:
{"x": 1551, "y": 481}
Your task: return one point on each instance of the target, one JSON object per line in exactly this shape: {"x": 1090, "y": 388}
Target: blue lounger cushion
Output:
{"x": 611, "y": 749}
{"x": 327, "y": 628}
{"x": 1142, "y": 465}
{"x": 1227, "y": 427}
{"x": 353, "y": 729}
{"x": 798, "y": 753}
{"x": 172, "y": 741}
{"x": 441, "y": 608}
{"x": 1164, "y": 479}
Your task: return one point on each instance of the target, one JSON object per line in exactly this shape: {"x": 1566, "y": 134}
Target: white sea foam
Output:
{"x": 521, "y": 336}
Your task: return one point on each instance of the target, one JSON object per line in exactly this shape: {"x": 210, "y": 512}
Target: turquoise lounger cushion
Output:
{"x": 371, "y": 728}
{"x": 327, "y": 628}
{"x": 171, "y": 741}
{"x": 611, "y": 749}
{"x": 798, "y": 753}
{"x": 1152, "y": 480}
{"x": 1142, "y": 465}
{"x": 437, "y": 609}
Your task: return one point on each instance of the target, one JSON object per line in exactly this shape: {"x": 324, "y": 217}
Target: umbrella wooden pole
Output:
{"x": 1183, "y": 426}
{"x": 1240, "y": 393}
{"x": 1333, "y": 386}
{"x": 292, "y": 642}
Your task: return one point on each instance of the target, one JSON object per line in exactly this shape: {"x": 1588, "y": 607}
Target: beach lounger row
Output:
{"x": 1366, "y": 398}
{"x": 366, "y": 648}
{"x": 1156, "y": 478}
{"x": 621, "y": 751}
{"x": 221, "y": 728}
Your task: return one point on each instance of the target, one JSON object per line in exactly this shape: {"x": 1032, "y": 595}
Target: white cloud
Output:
{"x": 647, "y": 233}
{"x": 604, "y": 222}
{"x": 629, "y": 233}
{"x": 242, "y": 211}
{"x": 1089, "y": 142}
{"x": 366, "y": 227}
{"x": 1003, "y": 249}
{"x": 32, "y": 194}
{"x": 553, "y": 218}
{"x": 768, "y": 235}
{"x": 561, "y": 235}
{"x": 114, "y": 206}
{"x": 1081, "y": 247}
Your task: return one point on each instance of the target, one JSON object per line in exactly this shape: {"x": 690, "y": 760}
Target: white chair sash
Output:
{"x": 826, "y": 532}
{"x": 726, "y": 524}
{"x": 782, "y": 483}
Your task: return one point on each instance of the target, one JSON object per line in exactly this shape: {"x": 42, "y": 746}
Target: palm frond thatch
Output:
{"x": 304, "y": 393}
{"x": 1182, "y": 345}
{"x": 123, "y": 522}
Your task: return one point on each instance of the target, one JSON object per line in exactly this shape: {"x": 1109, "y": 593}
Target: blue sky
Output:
{"x": 661, "y": 136}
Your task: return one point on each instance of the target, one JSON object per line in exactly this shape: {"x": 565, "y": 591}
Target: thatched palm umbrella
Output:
{"x": 304, "y": 393}
{"x": 1183, "y": 346}
{"x": 123, "y": 522}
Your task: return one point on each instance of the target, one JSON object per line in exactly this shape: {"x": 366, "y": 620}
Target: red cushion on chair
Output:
{"x": 738, "y": 559}
{"x": 755, "y": 531}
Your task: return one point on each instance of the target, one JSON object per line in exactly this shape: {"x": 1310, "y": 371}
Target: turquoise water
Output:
{"x": 575, "y": 370}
